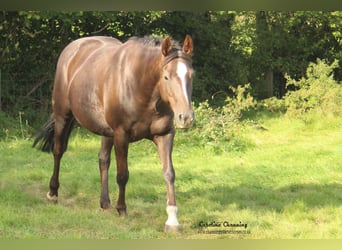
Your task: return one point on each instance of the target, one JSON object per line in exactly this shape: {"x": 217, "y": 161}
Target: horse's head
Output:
{"x": 176, "y": 80}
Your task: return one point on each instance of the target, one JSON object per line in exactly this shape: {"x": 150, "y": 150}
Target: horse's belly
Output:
{"x": 89, "y": 113}
{"x": 94, "y": 122}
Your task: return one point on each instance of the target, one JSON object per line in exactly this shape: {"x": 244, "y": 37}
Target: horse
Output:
{"x": 123, "y": 92}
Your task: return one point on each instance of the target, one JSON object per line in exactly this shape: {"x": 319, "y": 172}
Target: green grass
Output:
{"x": 286, "y": 184}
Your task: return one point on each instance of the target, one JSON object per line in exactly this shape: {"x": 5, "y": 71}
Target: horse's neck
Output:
{"x": 154, "y": 60}
{"x": 152, "y": 69}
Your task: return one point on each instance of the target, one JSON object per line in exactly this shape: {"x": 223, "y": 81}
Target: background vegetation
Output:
{"x": 231, "y": 49}
{"x": 267, "y": 137}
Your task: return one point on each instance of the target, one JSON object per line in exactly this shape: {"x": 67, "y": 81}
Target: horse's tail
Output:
{"x": 45, "y": 138}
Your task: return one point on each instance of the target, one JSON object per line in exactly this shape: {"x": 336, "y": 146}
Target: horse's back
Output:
{"x": 78, "y": 51}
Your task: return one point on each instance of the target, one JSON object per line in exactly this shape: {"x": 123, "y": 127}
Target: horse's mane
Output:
{"x": 154, "y": 41}
{"x": 150, "y": 41}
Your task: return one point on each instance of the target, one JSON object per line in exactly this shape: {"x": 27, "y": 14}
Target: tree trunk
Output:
{"x": 268, "y": 83}
{"x": 264, "y": 55}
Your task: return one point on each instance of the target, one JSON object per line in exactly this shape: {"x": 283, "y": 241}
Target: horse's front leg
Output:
{"x": 164, "y": 144}
{"x": 121, "y": 153}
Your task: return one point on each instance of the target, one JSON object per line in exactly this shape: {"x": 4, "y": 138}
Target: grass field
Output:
{"x": 286, "y": 184}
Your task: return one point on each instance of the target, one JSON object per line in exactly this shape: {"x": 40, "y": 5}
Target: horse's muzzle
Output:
{"x": 184, "y": 120}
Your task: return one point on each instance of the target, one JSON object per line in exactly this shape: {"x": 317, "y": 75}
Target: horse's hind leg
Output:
{"x": 63, "y": 127}
{"x": 104, "y": 162}
{"x": 122, "y": 175}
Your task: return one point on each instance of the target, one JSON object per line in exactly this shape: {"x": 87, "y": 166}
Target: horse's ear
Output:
{"x": 188, "y": 46}
{"x": 166, "y": 46}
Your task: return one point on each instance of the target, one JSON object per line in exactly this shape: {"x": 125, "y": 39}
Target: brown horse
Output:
{"x": 124, "y": 92}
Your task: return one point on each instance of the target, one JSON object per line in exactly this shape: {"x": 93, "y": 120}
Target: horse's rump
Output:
{"x": 82, "y": 69}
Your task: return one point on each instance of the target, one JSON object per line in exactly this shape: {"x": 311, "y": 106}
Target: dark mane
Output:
{"x": 154, "y": 41}
{"x": 176, "y": 51}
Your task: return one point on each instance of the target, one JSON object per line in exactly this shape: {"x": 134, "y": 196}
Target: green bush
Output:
{"x": 11, "y": 128}
{"x": 273, "y": 105}
{"x": 317, "y": 92}
{"x": 221, "y": 127}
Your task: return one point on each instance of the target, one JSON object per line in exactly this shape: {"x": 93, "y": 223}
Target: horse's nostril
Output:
{"x": 186, "y": 117}
{"x": 192, "y": 116}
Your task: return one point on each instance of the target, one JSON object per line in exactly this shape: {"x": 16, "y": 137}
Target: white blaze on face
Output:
{"x": 181, "y": 72}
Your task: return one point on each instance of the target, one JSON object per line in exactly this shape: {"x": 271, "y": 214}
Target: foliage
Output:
{"x": 242, "y": 100}
{"x": 13, "y": 128}
{"x": 316, "y": 92}
{"x": 273, "y": 104}
{"x": 231, "y": 47}
{"x": 284, "y": 42}
{"x": 215, "y": 126}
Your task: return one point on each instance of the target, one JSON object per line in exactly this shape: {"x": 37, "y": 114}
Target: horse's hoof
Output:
{"x": 106, "y": 209}
{"x": 106, "y": 206}
{"x": 172, "y": 228}
{"x": 52, "y": 198}
{"x": 122, "y": 212}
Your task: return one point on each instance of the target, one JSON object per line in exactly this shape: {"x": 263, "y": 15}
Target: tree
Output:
{"x": 231, "y": 48}
{"x": 281, "y": 43}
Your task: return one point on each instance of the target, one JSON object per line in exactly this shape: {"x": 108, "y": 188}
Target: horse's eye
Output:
{"x": 166, "y": 78}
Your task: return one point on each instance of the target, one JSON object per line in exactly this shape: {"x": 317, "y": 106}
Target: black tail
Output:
{"x": 45, "y": 138}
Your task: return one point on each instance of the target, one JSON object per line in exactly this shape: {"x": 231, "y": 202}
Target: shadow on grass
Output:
{"x": 259, "y": 197}
{"x": 15, "y": 197}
